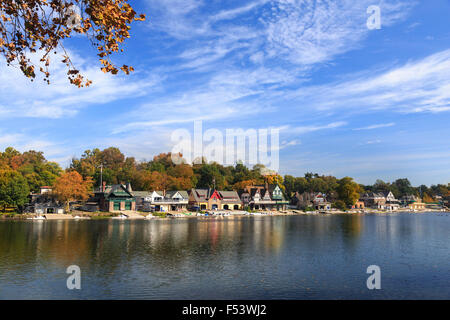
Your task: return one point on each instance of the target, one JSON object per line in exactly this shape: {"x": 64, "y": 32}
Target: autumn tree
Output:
{"x": 39, "y": 27}
{"x": 427, "y": 198}
{"x": 13, "y": 189}
{"x": 276, "y": 179}
{"x": 71, "y": 186}
{"x": 32, "y": 165}
{"x": 241, "y": 185}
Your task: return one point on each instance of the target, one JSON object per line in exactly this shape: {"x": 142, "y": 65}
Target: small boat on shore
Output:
{"x": 37, "y": 218}
{"x": 121, "y": 217}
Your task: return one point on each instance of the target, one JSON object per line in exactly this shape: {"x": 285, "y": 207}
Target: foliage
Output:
{"x": 427, "y": 198}
{"x": 29, "y": 27}
{"x": 348, "y": 191}
{"x": 71, "y": 186}
{"x": 13, "y": 189}
{"x": 340, "y": 205}
{"x": 161, "y": 173}
{"x": 32, "y": 166}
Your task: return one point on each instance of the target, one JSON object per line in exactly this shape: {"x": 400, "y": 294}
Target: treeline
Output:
{"x": 329, "y": 185}
{"x": 22, "y": 173}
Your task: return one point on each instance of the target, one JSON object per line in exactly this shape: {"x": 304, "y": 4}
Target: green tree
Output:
{"x": 13, "y": 189}
{"x": 348, "y": 191}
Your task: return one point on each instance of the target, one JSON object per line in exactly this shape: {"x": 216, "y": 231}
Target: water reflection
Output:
{"x": 237, "y": 257}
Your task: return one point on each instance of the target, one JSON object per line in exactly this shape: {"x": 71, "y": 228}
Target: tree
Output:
{"x": 71, "y": 186}
{"x": 241, "y": 185}
{"x": 404, "y": 188}
{"x": 341, "y": 205}
{"x": 210, "y": 174}
{"x": 13, "y": 189}
{"x": 276, "y": 179}
{"x": 348, "y": 191}
{"x": 381, "y": 186}
{"x": 427, "y": 198}
{"x": 40, "y": 26}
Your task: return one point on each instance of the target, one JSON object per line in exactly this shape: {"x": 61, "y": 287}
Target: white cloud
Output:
{"x": 309, "y": 32}
{"x": 25, "y": 141}
{"x": 307, "y": 129}
{"x": 417, "y": 86}
{"x": 376, "y": 126}
{"x": 37, "y": 99}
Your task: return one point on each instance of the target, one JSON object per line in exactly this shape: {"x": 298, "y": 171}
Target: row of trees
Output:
{"x": 22, "y": 173}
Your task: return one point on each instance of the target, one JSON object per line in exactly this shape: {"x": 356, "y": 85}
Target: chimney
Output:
{"x": 267, "y": 184}
{"x": 104, "y": 186}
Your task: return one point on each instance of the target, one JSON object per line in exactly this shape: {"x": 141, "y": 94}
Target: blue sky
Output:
{"x": 349, "y": 101}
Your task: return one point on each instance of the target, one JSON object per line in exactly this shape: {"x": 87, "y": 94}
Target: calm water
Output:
{"x": 296, "y": 257}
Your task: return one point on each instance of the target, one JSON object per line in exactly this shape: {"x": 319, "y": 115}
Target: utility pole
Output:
{"x": 101, "y": 177}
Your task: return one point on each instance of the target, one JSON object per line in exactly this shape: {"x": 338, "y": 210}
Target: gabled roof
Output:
{"x": 200, "y": 194}
{"x": 116, "y": 190}
{"x": 171, "y": 194}
{"x": 272, "y": 187}
{"x": 254, "y": 191}
{"x": 229, "y": 195}
{"x": 266, "y": 194}
{"x": 142, "y": 194}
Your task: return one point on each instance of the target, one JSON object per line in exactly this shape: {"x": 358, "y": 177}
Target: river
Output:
{"x": 278, "y": 257}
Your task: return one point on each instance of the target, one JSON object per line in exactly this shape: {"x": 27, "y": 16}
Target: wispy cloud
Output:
{"x": 307, "y": 129}
{"x": 376, "y": 126}
{"x": 417, "y": 86}
{"x": 22, "y": 98}
{"x": 310, "y": 32}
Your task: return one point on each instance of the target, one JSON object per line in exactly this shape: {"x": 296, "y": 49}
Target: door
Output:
{"x": 116, "y": 206}
{"x": 127, "y": 205}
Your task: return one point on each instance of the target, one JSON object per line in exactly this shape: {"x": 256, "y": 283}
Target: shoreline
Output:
{"x": 190, "y": 215}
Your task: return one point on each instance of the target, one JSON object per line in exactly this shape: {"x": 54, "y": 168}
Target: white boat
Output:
{"x": 37, "y": 218}
{"x": 150, "y": 216}
{"x": 121, "y": 217}
{"x": 77, "y": 217}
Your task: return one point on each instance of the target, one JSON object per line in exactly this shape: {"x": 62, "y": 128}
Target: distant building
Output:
{"x": 44, "y": 202}
{"x": 380, "y": 200}
{"x": 315, "y": 200}
{"x": 162, "y": 201}
{"x": 359, "y": 205}
{"x": 408, "y": 199}
{"x": 114, "y": 198}
{"x": 45, "y": 189}
{"x": 267, "y": 197}
{"x": 142, "y": 198}
{"x": 417, "y": 205}
{"x": 209, "y": 199}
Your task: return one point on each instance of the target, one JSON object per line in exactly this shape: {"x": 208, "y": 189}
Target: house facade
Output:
{"x": 44, "y": 202}
{"x": 315, "y": 200}
{"x": 230, "y": 200}
{"x": 209, "y": 199}
{"x": 380, "y": 200}
{"x": 115, "y": 198}
{"x": 263, "y": 198}
{"x": 408, "y": 199}
{"x": 359, "y": 205}
{"x": 168, "y": 201}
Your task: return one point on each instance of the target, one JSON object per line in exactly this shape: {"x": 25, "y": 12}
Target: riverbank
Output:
{"x": 222, "y": 214}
